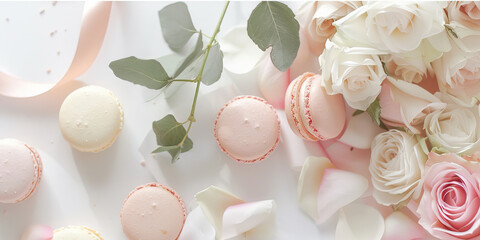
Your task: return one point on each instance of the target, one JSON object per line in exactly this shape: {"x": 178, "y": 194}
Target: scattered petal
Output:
{"x": 338, "y": 189}
{"x": 240, "y": 54}
{"x": 360, "y": 131}
{"x": 214, "y": 201}
{"x": 241, "y": 218}
{"x": 309, "y": 183}
{"x": 400, "y": 227}
{"x": 37, "y": 232}
{"x": 359, "y": 222}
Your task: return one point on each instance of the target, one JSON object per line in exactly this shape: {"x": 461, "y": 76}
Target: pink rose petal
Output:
{"x": 37, "y": 232}
{"x": 400, "y": 227}
{"x": 338, "y": 189}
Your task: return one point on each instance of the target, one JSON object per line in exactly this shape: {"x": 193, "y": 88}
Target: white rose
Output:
{"x": 406, "y": 68}
{"x": 455, "y": 129}
{"x": 317, "y": 18}
{"x": 396, "y": 27}
{"x": 464, "y": 20}
{"x": 458, "y": 74}
{"x": 357, "y": 73}
{"x": 397, "y": 164}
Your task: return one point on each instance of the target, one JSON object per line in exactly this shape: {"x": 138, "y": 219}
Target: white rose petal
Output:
{"x": 356, "y": 72}
{"x": 396, "y": 27}
{"x": 455, "y": 129}
{"x": 464, "y": 20}
{"x": 397, "y": 164}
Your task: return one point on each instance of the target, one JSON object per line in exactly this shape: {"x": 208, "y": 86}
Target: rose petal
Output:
{"x": 415, "y": 102}
{"x": 240, "y": 54}
{"x": 360, "y": 131}
{"x": 338, "y": 189}
{"x": 309, "y": 183}
{"x": 349, "y": 158}
{"x": 400, "y": 227}
{"x": 214, "y": 201}
{"x": 359, "y": 222}
{"x": 37, "y": 232}
{"x": 197, "y": 227}
{"x": 242, "y": 218}
{"x": 273, "y": 83}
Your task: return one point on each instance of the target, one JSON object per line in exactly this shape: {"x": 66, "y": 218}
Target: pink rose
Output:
{"x": 450, "y": 205}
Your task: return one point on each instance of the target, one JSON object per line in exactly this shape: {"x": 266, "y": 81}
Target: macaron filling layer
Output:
{"x": 91, "y": 118}
{"x": 153, "y": 212}
{"x": 247, "y": 129}
{"x": 20, "y": 171}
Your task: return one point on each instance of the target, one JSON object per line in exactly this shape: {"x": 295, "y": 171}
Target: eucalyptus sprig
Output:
{"x": 271, "y": 24}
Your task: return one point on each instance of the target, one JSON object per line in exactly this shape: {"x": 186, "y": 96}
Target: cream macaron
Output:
{"x": 153, "y": 212}
{"x": 91, "y": 118}
{"x": 76, "y": 233}
{"x": 311, "y": 113}
{"x": 247, "y": 129}
{"x": 20, "y": 170}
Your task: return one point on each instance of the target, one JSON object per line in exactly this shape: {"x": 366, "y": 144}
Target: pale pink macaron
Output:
{"x": 153, "y": 212}
{"x": 247, "y": 129}
{"x": 20, "y": 170}
{"x": 311, "y": 113}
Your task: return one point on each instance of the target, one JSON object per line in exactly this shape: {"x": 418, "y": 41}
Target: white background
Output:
{"x": 89, "y": 188}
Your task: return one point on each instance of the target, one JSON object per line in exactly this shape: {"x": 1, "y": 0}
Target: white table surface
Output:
{"x": 89, "y": 188}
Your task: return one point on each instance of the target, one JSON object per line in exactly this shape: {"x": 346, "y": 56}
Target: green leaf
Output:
{"x": 374, "y": 111}
{"x": 169, "y": 134}
{"x": 177, "y": 25}
{"x": 273, "y": 24}
{"x": 196, "y": 52}
{"x": 213, "y": 67}
{"x": 358, "y": 112}
{"x": 148, "y": 73}
{"x": 170, "y": 63}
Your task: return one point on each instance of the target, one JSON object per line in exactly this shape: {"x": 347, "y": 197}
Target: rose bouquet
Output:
{"x": 406, "y": 81}
{"x": 414, "y": 68}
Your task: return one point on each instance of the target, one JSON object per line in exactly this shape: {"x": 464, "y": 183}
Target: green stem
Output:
{"x": 191, "y": 119}
{"x": 182, "y": 80}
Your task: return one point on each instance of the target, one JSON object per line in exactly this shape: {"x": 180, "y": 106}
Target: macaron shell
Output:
{"x": 91, "y": 118}
{"x": 20, "y": 170}
{"x": 293, "y": 105}
{"x": 76, "y": 233}
{"x": 325, "y": 115}
{"x": 153, "y": 212}
{"x": 247, "y": 129}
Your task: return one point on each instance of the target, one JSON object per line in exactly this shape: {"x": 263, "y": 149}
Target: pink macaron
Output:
{"x": 247, "y": 129}
{"x": 153, "y": 212}
{"x": 20, "y": 171}
{"x": 311, "y": 113}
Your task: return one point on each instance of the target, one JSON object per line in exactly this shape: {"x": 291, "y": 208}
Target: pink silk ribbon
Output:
{"x": 92, "y": 32}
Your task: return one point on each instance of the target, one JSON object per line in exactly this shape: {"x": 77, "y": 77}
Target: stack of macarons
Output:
{"x": 20, "y": 170}
{"x": 247, "y": 129}
{"x": 311, "y": 113}
{"x": 153, "y": 212}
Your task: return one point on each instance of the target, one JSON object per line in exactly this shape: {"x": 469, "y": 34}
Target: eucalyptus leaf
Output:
{"x": 149, "y": 73}
{"x": 213, "y": 66}
{"x": 196, "y": 52}
{"x": 169, "y": 134}
{"x": 273, "y": 24}
{"x": 177, "y": 25}
{"x": 374, "y": 110}
{"x": 170, "y": 63}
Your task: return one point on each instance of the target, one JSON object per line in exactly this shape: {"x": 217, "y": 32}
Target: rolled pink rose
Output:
{"x": 450, "y": 205}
